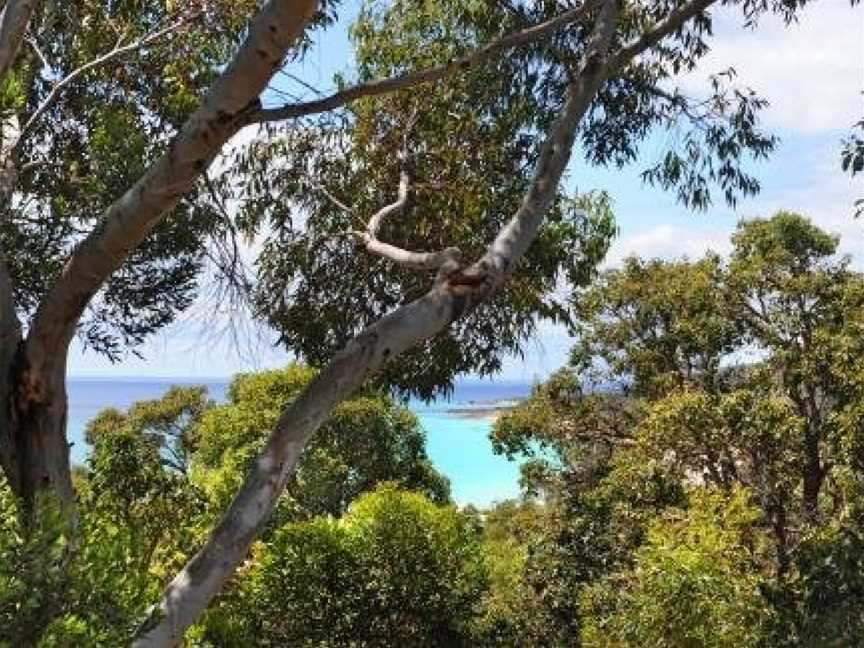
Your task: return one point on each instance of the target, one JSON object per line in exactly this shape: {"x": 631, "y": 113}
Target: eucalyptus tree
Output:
{"x": 468, "y": 111}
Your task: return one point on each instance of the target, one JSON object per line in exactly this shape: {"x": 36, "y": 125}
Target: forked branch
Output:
{"x": 443, "y": 261}
{"x": 194, "y": 587}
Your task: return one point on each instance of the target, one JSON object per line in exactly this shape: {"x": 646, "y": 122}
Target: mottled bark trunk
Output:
{"x": 35, "y": 452}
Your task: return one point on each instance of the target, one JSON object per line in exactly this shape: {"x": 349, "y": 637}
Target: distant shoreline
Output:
{"x": 485, "y": 409}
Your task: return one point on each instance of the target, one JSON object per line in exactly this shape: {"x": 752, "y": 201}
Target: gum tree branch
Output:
{"x": 193, "y": 588}
{"x": 38, "y": 52}
{"x": 400, "y": 82}
{"x": 402, "y": 199}
{"x": 41, "y": 397}
{"x": 428, "y": 261}
{"x": 442, "y": 260}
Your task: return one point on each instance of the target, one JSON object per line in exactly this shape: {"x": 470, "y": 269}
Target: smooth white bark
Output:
{"x": 125, "y": 224}
{"x": 473, "y": 59}
{"x": 194, "y": 587}
{"x": 37, "y": 436}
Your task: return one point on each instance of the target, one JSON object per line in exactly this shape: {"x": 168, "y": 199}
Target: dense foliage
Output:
{"x": 697, "y": 468}
{"x": 469, "y": 145}
{"x": 693, "y": 478}
{"x": 157, "y": 477}
{"x": 469, "y": 142}
{"x": 121, "y": 200}
{"x": 395, "y": 570}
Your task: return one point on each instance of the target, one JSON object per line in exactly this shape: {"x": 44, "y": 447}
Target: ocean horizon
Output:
{"x": 457, "y": 443}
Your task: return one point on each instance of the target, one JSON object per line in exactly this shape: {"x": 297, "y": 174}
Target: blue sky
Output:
{"x": 813, "y": 75}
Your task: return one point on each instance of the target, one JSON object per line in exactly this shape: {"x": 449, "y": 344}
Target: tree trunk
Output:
{"x": 35, "y": 451}
{"x": 454, "y": 295}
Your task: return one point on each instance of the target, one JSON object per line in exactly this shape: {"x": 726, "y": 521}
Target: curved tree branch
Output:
{"x": 444, "y": 261}
{"x": 126, "y": 222}
{"x": 401, "y": 200}
{"x": 10, "y": 338}
{"x": 383, "y": 86}
{"x": 192, "y": 589}
{"x": 448, "y": 258}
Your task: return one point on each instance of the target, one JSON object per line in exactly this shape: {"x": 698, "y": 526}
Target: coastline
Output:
{"x": 457, "y": 429}
{"x": 486, "y": 410}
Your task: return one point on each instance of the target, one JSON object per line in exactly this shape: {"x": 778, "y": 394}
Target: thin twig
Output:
{"x": 109, "y": 56}
{"x": 39, "y": 53}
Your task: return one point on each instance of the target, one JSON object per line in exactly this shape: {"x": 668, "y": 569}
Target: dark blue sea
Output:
{"x": 459, "y": 445}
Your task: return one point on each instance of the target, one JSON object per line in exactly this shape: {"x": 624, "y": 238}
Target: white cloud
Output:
{"x": 812, "y": 72}
{"x": 668, "y": 241}
{"x": 825, "y": 197}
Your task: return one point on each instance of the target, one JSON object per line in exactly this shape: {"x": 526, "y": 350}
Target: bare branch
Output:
{"x": 383, "y": 86}
{"x": 38, "y": 51}
{"x": 429, "y": 261}
{"x": 116, "y": 52}
{"x": 402, "y": 199}
{"x": 341, "y": 205}
{"x": 513, "y": 240}
{"x": 446, "y": 260}
{"x": 13, "y": 26}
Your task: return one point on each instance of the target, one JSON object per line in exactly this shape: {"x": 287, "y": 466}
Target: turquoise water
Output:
{"x": 458, "y": 446}
{"x": 461, "y": 450}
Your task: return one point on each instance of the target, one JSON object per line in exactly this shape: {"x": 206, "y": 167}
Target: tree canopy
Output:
{"x": 697, "y": 462}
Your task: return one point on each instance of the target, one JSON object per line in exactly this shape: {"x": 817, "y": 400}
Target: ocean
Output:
{"x": 458, "y": 444}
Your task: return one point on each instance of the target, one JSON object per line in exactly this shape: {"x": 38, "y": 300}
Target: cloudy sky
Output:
{"x": 812, "y": 73}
